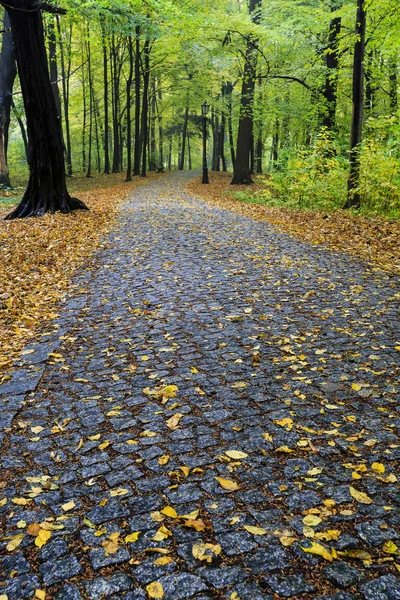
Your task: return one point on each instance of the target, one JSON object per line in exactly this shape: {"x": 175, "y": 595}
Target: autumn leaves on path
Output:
{"x": 216, "y": 418}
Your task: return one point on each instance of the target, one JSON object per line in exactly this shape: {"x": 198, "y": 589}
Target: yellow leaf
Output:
{"x": 119, "y": 492}
{"x": 68, "y": 506}
{"x": 255, "y": 530}
{"x": 193, "y": 370}
{"x": 3, "y": 597}
{"x": 162, "y": 460}
{"x": 359, "y": 554}
{"x": 267, "y": 436}
{"x": 193, "y": 515}
{"x": 15, "y": 541}
{"x": 148, "y": 433}
{"x": 37, "y": 429}
{"x": 284, "y": 449}
{"x": 162, "y": 534}
{"x": 286, "y": 540}
{"x": 199, "y": 551}
{"x": 40, "y": 594}
{"x": 329, "y": 502}
{"x": 172, "y": 422}
{"x": 360, "y": 496}
{"x": 378, "y": 467}
{"x": 236, "y": 454}
{"x": 163, "y": 560}
{"x": 92, "y": 438}
{"x": 315, "y": 471}
{"x": 168, "y": 511}
{"x": 320, "y": 351}
{"x": 158, "y": 550}
{"x": 155, "y": 590}
{"x": 42, "y": 538}
{"x": 227, "y": 484}
{"x": 169, "y": 391}
{"x": 185, "y": 470}
{"x": 312, "y": 520}
{"x": 390, "y": 547}
{"x": 104, "y": 445}
{"x": 320, "y": 550}
{"x": 80, "y": 445}
{"x": 197, "y": 524}
{"x": 103, "y": 502}
{"x": 131, "y": 442}
{"x": 144, "y": 358}
{"x": 3, "y": 502}
{"x": 287, "y": 421}
{"x": 132, "y": 537}
{"x": 20, "y": 501}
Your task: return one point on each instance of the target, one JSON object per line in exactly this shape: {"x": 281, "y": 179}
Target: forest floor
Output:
{"x": 374, "y": 239}
{"x": 214, "y": 415}
{"x": 39, "y": 257}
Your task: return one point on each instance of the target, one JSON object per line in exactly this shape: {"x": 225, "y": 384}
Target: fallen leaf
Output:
{"x": 20, "y": 501}
{"x": 40, "y": 594}
{"x": 236, "y": 454}
{"x": 319, "y": 550}
{"x": 161, "y": 534}
{"x": 390, "y": 547}
{"x": 119, "y": 492}
{"x": 15, "y": 542}
{"x": 68, "y": 506}
{"x": 155, "y": 590}
{"x": 163, "y": 560}
{"x": 378, "y": 467}
{"x": 312, "y": 520}
{"x": 111, "y": 544}
{"x": 168, "y": 511}
{"x": 284, "y": 449}
{"x": 197, "y": 524}
{"x": 199, "y": 551}
{"x": 172, "y": 422}
{"x": 227, "y": 484}
{"x": 255, "y": 530}
{"x": 33, "y": 529}
{"x": 286, "y": 540}
{"x": 42, "y": 538}
{"x": 163, "y": 460}
{"x": 360, "y": 496}
{"x": 132, "y": 537}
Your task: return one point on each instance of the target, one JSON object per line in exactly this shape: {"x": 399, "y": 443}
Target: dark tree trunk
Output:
{"x": 145, "y": 107}
{"x": 332, "y": 65}
{"x": 152, "y": 155}
{"x": 115, "y": 104}
{"x": 138, "y": 150}
{"x": 51, "y": 34}
{"x": 8, "y": 72}
{"x": 229, "y": 90}
{"x": 222, "y": 132}
{"x": 215, "y": 126}
{"x": 106, "y": 123}
{"x": 90, "y": 85}
{"x": 170, "y": 155}
{"x": 181, "y": 164}
{"x": 394, "y": 104}
{"x": 259, "y": 149}
{"x": 47, "y": 190}
{"x": 128, "y": 113}
{"x": 84, "y": 120}
{"x": 160, "y": 130}
{"x": 370, "y": 83}
{"x": 65, "y": 88}
{"x": 189, "y": 152}
{"x": 241, "y": 173}
{"x": 354, "y": 198}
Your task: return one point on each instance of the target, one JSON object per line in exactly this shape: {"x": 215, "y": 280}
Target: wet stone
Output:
{"x": 59, "y": 570}
{"x": 21, "y": 587}
{"x": 181, "y": 586}
{"x": 13, "y": 563}
{"x": 102, "y": 514}
{"x": 148, "y": 571}
{"x": 236, "y": 543}
{"x": 248, "y": 591}
{"x": 222, "y": 577}
{"x": 99, "y": 559}
{"x": 68, "y": 592}
{"x": 386, "y": 587}
{"x": 342, "y": 575}
{"x": 53, "y": 550}
{"x": 267, "y": 559}
{"x": 289, "y": 586}
{"x": 103, "y": 588}
{"x": 373, "y": 535}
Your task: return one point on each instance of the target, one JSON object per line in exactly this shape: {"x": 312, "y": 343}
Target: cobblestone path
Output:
{"x": 282, "y": 435}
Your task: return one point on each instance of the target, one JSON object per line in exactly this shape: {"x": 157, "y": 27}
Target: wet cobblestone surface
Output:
{"x": 281, "y": 436}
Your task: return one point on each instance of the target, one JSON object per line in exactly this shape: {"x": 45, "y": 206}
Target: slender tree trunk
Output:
{"x": 47, "y": 190}
{"x": 181, "y": 164}
{"x": 354, "y": 198}
{"x": 394, "y": 104}
{"x": 65, "y": 90}
{"x": 241, "y": 173}
{"x": 259, "y": 148}
{"x": 84, "y": 121}
{"x": 229, "y": 90}
{"x": 332, "y": 65}
{"x": 170, "y": 154}
{"x": 8, "y": 71}
{"x": 222, "y": 132}
{"x": 189, "y": 152}
{"x": 145, "y": 108}
{"x": 51, "y": 34}
{"x": 136, "y": 164}
{"x": 216, "y": 131}
{"x": 152, "y": 155}
{"x": 128, "y": 113}
{"x": 106, "y": 109}
{"x": 115, "y": 87}
{"x": 90, "y": 85}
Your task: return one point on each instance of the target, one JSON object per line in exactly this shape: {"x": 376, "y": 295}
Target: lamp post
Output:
{"x": 205, "y": 108}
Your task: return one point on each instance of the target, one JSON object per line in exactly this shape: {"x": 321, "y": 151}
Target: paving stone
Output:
{"x": 99, "y": 559}
{"x": 103, "y": 588}
{"x": 181, "y": 586}
{"x": 21, "y": 587}
{"x": 223, "y": 576}
{"x": 341, "y": 574}
{"x": 53, "y": 571}
{"x": 247, "y": 591}
{"x": 386, "y": 587}
{"x": 289, "y": 586}
{"x": 267, "y": 559}
{"x": 68, "y": 592}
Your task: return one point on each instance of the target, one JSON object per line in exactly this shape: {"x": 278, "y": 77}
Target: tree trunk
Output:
{"x": 181, "y": 164}
{"x": 106, "y": 124}
{"x": 353, "y": 197}
{"x": 241, "y": 173}
{"x": 51, "y": 34}
{"x": 229, "y": 90}
{"x": 394, "y": 104}
{"x": 189, "y": 152}
{"x": 128, "y": 114}
{"x": 65, "y": 89}
{"x": 145, "y": 107}
{"x": 47, "y": 190}
{"x": 332, "y": 65}
{"x": 216, "y": 142}
{"x": 138, "y": 150}
{"x": 22, "y": 128}
{"x": 90, "y": 85}
{"x": 115, "y": 104}
{"x": 152, "y": 156}
{"x": 8, "y": 72}
{"x": 170, "y": 154}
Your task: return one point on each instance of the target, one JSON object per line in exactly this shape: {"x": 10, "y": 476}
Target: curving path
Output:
{"x": 283, "y": 353}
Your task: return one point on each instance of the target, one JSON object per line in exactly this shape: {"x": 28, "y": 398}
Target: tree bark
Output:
{"x": 115, "y": 104}
{"x": 241, "y": 173}
{"x": 8, "y": 71}
{"x": 128, "y": 113}
{"x": 145, "y": 107}
{"x": 138, "y": 150}
{"x": 229, "y": 90}
{"x": 332, "y": 65}
{"x": 47, "y": 190}
{"x": 181, "y": 164}
{"x": 394, "y": 104}
{"x": 152, "y": 155}
{"x": 106, "y": 122}
{"x": 353, "y": 197}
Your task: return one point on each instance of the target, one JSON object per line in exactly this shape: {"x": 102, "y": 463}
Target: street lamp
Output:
{"x": 204, "y": 109}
